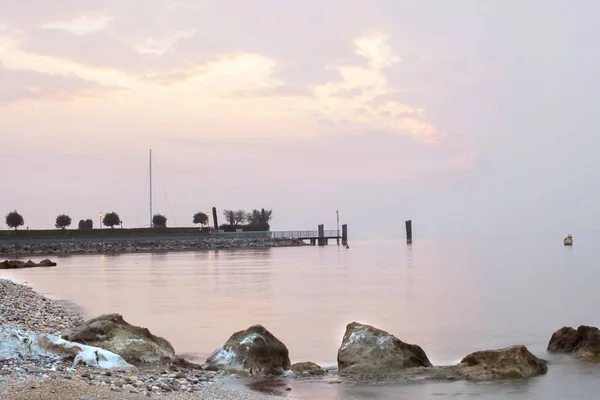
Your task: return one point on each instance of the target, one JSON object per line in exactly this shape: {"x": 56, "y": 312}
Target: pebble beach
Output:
{"x": 24, "y": 310}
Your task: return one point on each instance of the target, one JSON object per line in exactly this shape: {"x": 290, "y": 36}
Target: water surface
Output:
{"x": 449, "y": 296}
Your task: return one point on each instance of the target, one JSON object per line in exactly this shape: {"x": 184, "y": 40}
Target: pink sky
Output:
{"x": 460, "y": 115}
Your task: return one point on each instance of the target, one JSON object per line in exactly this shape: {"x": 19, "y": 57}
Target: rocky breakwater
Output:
{"x": 371, "y": 354}
{"x": 582, "y": 342}
{"x": 12, "y": 264}
{"x": 133, "y": 246}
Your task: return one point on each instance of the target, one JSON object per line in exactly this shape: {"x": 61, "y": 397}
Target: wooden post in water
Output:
{"x": 215, "y": 218}
{"x": 321, "y": 240}
{"x": 344, "y": 234}
{"x": 408, "y": 232}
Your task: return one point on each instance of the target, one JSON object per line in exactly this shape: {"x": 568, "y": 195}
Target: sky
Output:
{"x": 468, "y": 117}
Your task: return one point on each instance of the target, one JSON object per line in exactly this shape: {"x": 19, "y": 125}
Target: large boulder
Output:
{"x": 19, "y": 344}
{"x": 111, "y": 332}
{"x": 254, "y": 351}
{"x": 368, "y": 353}
{"x": 583, "y": 341}
{"x": 511, "y": 362}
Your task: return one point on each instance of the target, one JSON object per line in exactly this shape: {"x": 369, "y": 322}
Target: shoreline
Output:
{"x": 142, "y": 246}
{"x": 25, "y": 311}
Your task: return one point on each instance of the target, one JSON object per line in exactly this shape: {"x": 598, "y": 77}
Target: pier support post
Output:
{"x": 344, "y": 235}
{"x": 408, "y": 232}
{"x": 321, "y": 240}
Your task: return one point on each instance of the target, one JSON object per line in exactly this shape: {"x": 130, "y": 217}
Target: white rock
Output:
{"x": 16, "y": 343}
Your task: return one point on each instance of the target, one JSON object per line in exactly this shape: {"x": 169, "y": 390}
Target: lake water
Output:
{"x": 450, "y": 296}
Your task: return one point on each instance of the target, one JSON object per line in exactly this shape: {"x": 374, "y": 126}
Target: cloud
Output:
{"x": 213, "y": 72}
{"x": 164, "y": 45}
{"x": 19, "y": 85}
{"x": 377, "y": 51}
{"x": 277, "y": 91}
{"x": 83, "y": 25}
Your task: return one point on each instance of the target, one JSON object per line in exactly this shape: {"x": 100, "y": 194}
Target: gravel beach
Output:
{"x": 49, "y": 378}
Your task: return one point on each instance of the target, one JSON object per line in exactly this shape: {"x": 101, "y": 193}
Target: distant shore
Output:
{"x": 140, "y": 246}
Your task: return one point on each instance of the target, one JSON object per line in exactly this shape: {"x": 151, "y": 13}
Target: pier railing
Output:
{"x": 303, "y": 234}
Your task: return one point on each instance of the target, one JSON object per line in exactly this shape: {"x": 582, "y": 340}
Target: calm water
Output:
{"x": 451, "y": 297}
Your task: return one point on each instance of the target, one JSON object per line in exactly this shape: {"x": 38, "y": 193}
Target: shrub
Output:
{"x": 257, "y": 227}
{"x": 159, "y": 221}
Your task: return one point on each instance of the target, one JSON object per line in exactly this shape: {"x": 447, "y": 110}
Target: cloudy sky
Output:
{"x": 468, "y": 116}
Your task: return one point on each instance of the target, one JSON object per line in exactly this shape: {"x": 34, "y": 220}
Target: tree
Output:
{"x": 239, "y": 217}
{"x": 81, "y": 224}
{"x": 62, "y": 221}
{"x": 229, "y": 216}
{"x": 200, "y": 218}
{"x": 259, "y": 217}
{"x": 89, "y": 224}
{"x": 14, "y": 220}
{"x": 111, "y": 219}
{"x": 159, "y": 221}
{"x": 234, "y": 218}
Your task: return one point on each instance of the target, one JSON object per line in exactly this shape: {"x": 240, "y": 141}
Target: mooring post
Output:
{"x": 337, "y": 237}
{"x": 344, "y": 235}
{"x": 215, "y": 219}
{"x": 409, "y": 232}
{"x": 321, "y": 235}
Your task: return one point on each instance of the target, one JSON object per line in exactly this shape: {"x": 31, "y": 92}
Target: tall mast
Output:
{"x": 150, "y": 188}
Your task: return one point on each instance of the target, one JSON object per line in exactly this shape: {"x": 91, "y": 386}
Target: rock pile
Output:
{"x": 133, "y": 246}
{"x": 11, "y": 264}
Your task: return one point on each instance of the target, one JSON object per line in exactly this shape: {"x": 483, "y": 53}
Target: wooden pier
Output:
{"x": 319, "y": 237}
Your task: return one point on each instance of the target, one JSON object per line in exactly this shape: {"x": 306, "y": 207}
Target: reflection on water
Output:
{"x": 451, "y": 297}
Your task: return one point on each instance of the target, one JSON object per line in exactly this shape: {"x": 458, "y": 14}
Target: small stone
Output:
{"x": 130, "y": 389}
{"x": 165, "y": 387}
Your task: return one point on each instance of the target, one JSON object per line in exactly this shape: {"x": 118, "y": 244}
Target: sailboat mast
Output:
{"x": 150, "y": 188}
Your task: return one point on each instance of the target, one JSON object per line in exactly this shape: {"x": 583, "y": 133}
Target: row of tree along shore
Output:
{"x": 257, "y": 220}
